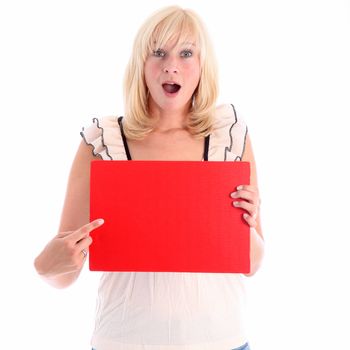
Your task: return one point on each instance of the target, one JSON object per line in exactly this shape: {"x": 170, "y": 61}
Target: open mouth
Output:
{"x": 171, "y": 88}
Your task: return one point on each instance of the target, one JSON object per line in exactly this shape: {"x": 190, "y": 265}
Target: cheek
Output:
{"x": 150, "y": 73}
{"x": 147, "y": 73}
{"x": 192, "y": 71}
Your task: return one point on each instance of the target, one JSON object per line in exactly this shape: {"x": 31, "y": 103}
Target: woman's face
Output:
{"x": 172, "y": 74}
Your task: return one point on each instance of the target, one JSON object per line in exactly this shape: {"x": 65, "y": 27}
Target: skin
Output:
{"x": 62, "y": 260}
{"x": 63, "y": 256}
{"x": 247, "y": 197}
{"x": 181, "y": 63}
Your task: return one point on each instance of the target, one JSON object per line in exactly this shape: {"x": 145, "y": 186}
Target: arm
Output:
{"x": 251, "y": 194}
{"x": 61, "y": 261}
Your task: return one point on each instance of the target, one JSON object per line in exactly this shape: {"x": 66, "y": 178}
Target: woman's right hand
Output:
{"x": 64, "y": 254}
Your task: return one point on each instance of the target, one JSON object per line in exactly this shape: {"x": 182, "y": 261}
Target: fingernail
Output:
{"x": 245, "y": 215}
{"x": 236, "y": 204}
{"x": 233, "y": 194}
{"x": 100, "y": 221}
{"x": 239, "y": 187}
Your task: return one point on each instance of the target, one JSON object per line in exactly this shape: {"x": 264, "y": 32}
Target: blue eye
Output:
{"x": 159, "y": 53}
{"x": 186, "y": 53}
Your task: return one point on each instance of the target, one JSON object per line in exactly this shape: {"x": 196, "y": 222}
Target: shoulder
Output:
{"x": 98, "y": 125}
{"x": 104, "y": 136}
{"x": 227, "y": 116}
{"x": 228, "y": 136}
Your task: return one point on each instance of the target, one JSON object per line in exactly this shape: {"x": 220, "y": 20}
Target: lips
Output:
{"x": 171, "y": 87}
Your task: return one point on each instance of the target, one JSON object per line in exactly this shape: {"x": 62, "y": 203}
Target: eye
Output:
{"x": 186, "y": 53}
{"x": 159, "y": 53}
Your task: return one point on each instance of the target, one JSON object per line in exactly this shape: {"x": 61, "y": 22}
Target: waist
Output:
{"x": 176, "y": 309}
{"x": 226, "y": 344}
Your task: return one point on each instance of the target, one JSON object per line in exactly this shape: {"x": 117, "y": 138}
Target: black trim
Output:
{"x": 228, "y": 149}
{"x": 102, "y": 140}
{"x": 128, "y": 155}
{"x": 90, "y": 144}
{"x": 206, "y": 147}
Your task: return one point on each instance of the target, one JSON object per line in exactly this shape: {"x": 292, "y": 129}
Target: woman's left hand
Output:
{"x": 250, "y": 202}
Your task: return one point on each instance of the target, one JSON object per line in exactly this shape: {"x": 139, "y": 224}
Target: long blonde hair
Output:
{"x": 165, "y": 25}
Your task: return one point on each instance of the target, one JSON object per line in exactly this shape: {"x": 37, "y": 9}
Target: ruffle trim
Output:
{"x": 228, "y": 139}
{"x": 98, "y": 143}
{"x": 105, "y": 138}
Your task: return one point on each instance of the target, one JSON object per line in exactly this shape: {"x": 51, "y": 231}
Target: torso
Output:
{"x": 174, "y": 145}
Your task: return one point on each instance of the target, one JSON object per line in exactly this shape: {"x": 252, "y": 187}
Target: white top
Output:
{"x": 170, "y": 310}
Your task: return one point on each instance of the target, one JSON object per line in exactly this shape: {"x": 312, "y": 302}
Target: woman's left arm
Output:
{"x": 251, "y": 203}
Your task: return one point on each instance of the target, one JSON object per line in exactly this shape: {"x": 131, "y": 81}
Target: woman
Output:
{"x": 170, "y": 114}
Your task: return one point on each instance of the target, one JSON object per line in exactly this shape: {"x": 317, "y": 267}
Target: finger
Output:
{"x": 252, "y": 197}
{"x": 83, "y": 247}
{"x": 250, "y": 188}
{"x": 250, "y": 220}
{"x": 83, "y": 244}
{"x": 250, "y": 208}
{"x": 84, "y": 231}
{"x": 67, "y": 233}
{"x": 64, "y": 234}
{"x": 83, "y": 253}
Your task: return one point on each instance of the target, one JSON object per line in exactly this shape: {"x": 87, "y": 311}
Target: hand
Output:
{"x": 66, "y": 252}
{"x": 251, "y": 202}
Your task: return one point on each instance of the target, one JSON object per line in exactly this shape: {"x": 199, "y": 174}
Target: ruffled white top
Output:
{"x": 170, "y": 310}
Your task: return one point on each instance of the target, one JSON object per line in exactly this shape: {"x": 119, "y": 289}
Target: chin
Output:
{"x": 170, "y": 103}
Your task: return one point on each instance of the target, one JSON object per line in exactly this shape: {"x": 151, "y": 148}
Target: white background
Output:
{"x": 285, "y": 67}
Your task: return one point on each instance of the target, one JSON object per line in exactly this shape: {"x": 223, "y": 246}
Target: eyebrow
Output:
{"x": 187, "y": 43}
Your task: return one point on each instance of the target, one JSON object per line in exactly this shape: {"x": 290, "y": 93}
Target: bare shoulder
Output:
{"x": 75, "y": 212}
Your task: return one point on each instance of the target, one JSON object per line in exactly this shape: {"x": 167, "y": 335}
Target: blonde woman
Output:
{"x": 170, "y": 113}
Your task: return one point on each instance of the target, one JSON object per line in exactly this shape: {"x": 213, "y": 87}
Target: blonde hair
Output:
{"x": 168, "y": 24}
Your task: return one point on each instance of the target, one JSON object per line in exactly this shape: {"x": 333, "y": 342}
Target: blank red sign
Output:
{"x": 174, "y": 216}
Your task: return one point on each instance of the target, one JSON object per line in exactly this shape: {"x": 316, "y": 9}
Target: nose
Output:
{"x": 170, "y": 63}
{"x": 170, "y": 69}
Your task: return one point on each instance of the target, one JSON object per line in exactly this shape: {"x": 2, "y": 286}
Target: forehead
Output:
{"x": 175, "y": 44}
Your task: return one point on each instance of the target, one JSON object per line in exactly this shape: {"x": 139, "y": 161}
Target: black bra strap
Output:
{"x": 124, "y": 139}
{"x": 206, "y": 147}
{"x": 206, "y": 142}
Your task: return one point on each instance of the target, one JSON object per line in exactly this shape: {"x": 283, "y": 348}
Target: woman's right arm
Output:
{"x": 62, "y": 259}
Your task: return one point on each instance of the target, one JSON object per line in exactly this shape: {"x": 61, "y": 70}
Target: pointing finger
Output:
{"x": 86, "y": 229}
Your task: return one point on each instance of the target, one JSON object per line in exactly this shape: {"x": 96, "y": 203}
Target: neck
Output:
{"x": 169, "y": 119}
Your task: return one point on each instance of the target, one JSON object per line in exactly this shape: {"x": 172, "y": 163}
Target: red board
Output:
{"x": 174, "y": 216}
